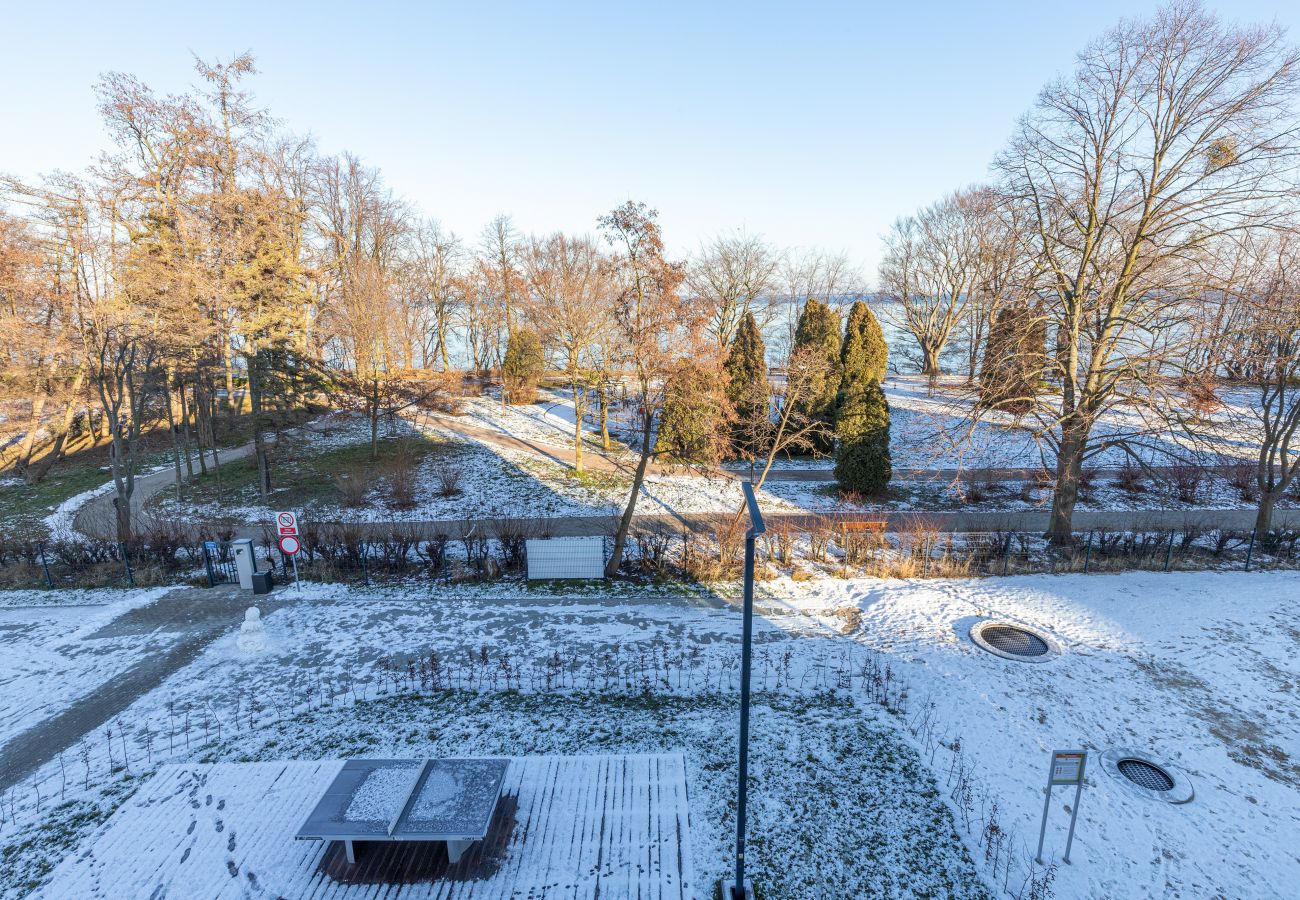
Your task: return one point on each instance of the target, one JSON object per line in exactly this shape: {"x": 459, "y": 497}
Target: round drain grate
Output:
{"x": 1014, "y": 642}
{"x": 1145, "y": 775}
{"x": 1138, "y": 774}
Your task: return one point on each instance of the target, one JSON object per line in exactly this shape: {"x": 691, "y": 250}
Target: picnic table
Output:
{"x": 441, "y": 800}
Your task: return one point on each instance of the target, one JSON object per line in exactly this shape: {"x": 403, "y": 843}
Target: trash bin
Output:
{"x": 262, "y": 582}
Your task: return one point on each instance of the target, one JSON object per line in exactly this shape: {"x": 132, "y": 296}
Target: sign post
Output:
{"x": 1067, "y": 768}
{"x": 286, "y": 524}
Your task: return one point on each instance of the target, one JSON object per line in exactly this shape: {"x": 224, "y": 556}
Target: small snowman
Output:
{"x": 252, "y": 633}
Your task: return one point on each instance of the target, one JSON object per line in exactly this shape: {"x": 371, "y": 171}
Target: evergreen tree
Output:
{"x": 694, "y": 424}
{"x": 864, "y": 353}
{"x": 862, "y": 461}
{"x": 1011, "y": 375}
{"x": 747, "y": 389}
{"x": 819, "y": 329}
{"x": 522, "y": 367}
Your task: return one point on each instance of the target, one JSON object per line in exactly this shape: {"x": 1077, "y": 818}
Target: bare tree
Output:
{"x": 570, "y": 286}
{"x": 656, "y": 327}
{"x": 733, "y": 275}
{"x": 1170, "y": 134}
{"x": 930, "y": 270}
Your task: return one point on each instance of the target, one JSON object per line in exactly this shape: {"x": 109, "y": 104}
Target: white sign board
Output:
{"x": 566, "y": 557}
{"x": 289, "y": 545}
{"x": 286, "y": 523}
{"x": 1067, "y": 767}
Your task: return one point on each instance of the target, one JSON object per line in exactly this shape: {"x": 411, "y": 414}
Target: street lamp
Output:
{"x": 740, "y": 889}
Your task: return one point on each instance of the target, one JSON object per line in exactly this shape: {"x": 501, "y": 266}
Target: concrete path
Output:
{"x": 196, "y": 617}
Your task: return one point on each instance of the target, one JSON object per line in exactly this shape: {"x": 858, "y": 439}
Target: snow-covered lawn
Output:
{"x": 1201, "y": 670}
{"x": 50, "y": 654}
{"x": 930, "y": 429}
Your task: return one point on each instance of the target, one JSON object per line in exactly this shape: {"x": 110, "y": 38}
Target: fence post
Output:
{"x": 207, "y": 564}
{"x": 126, "y": 563}
{"x": 49, "y": 582}
{"x": 1250, "y": 551}
{"x": 1006, "y": 552}
{"x": 1169, "y": 554}
{"x": 365, "y": 569}
{"x": 1087, "y": 554}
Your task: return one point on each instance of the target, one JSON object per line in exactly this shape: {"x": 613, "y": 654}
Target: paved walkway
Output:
{"x": 196, "y": 617}
{"x": 96, "y": 517}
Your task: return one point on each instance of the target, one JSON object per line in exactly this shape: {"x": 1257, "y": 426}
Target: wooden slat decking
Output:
{"x": 566, "y": 827}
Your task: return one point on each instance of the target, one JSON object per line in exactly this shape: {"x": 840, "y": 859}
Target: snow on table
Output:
{"x": 587, "y": 826}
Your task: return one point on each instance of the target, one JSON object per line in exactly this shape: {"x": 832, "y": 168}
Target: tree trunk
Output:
{"x": 579, "y": 402}
{"x": 174, "y": 431}
{"x": 1264, "y": 518}
{"x": 1069, "y": 468}
{"x": 602, "y": 397}
{"x": 33, "y": 426}
{"x": 930, "y": 360}
{"x": 255, "y": 417}
{"x": 625, "y": 523}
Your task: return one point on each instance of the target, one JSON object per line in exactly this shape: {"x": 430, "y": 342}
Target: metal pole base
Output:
{"x": 727, "y": 890}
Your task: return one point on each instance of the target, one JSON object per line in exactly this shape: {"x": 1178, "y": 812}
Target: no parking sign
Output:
{"x": 286, "y": 525}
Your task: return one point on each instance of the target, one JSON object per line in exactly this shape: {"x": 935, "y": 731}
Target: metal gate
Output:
{"x": 220, "y": 564}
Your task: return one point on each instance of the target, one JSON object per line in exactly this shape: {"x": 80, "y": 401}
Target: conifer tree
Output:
{"x": 862, "y": 460}
{"x": 695, "y": 420}
{"x": 819, "y": 329}
{"x": 864, "y": 353}
{"x": 522, "y": 367}
{"x": 1015, "y": 354}
{"x": 747, "y": 388}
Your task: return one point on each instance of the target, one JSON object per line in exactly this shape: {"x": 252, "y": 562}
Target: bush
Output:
{"x": 447, "y": 476}
{"x": 522, "y": 367}
{"x": 353, "y": 485}
{"x": 402, "y": 473}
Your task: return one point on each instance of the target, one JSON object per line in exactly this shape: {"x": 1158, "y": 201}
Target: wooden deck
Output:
{"x": 574, "y": 826}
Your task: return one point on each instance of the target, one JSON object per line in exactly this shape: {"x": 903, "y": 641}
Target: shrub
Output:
{"x": 401, "y": 476}
{"x": 447, "y": 476}
{"x": 522, "y": 367}
{"x": 353, "y": 484}
{"x": 1187, "y": 480}
{"x": 1130, "y": 478}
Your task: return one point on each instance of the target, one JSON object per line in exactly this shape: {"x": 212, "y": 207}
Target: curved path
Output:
{"x": 96, "y": 517}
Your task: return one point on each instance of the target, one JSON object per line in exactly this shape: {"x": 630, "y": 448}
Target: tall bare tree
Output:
{"x": 733, "y": 275}
{"x": 1171, "y": 132}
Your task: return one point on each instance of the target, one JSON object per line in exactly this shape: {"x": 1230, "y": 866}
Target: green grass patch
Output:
{"x": 308, "y": 474}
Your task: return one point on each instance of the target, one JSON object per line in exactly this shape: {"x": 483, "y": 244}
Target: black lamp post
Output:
{"x": 738, "y": 889}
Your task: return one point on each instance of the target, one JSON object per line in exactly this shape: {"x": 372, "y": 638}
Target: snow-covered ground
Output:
{"x": 52, "y": 655}
{"x": 1199, "y": 670}
{"x": 931, "y": 429}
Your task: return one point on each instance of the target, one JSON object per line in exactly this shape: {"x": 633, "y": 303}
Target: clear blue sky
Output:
{"x": 807, "y": 123}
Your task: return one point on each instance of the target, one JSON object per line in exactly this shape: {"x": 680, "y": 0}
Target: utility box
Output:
{"x": 245, "y": 563}
{"x": 566, "y": 557}
{"x": 263, "y": 582}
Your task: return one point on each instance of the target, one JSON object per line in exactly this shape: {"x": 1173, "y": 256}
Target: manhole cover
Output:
{"x": 1140, "y": 775}
{"x": 1145, "y": 775}
{"x": 1014, "y": 642}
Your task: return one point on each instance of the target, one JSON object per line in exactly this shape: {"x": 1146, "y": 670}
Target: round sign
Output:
{"x": 286, "y": 520}
{"x": 289, "y": 545}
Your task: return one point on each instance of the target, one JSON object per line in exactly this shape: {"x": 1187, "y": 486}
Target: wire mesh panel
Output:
{"x": 1145, "y": 775}
{"x": 1014, "y": 640}
{"x": 566, "y": 557}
